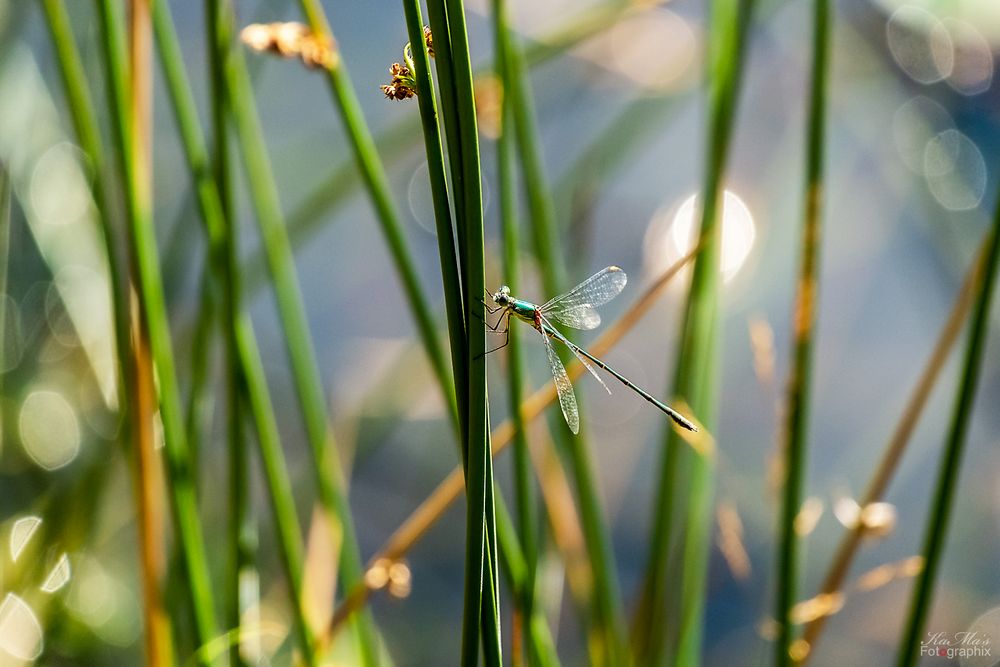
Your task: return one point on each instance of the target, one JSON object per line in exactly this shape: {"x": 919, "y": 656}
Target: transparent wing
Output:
{"x": 577, "y": 305}
{"x": 580, "y": 317}
{"x": 567, "y": 401}
{"x": 572, "y": 348}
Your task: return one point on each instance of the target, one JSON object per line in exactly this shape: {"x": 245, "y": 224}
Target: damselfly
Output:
{"x": 577, "y": 309}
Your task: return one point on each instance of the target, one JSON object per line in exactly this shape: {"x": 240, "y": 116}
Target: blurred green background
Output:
{"x": 913, "y": 148}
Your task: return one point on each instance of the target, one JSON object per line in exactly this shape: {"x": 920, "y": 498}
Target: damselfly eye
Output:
{"x": 505, "y": 290}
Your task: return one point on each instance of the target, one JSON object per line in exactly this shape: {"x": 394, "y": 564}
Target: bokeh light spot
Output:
{"x": 59, "y": 192}
{"x": 58, "y": 575}
{"x": 21, "y": 533}
{"x": 667, "y": 240}
{"x": 973, "y": 69}
{"x": 917, "y": 121}
{"x": 654, "y": 49}
{"x": 955, "y": 171}
{"x": 20, "y": 631}
{"x": 920, "y": 44}
{"x": 49, "y": 429}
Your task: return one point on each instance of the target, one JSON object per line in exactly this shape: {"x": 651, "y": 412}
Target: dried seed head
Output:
{"x": 429, "y": 40}
{"x": 292, "y": 40}
{"x": 403, "y": 85}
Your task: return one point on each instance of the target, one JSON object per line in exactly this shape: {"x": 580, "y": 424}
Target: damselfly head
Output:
{"x": 502, "y": 296}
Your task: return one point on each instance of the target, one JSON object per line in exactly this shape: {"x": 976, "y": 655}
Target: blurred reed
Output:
{"x": 607, "y": 612}
{"x": 245, "y": 363}
{"x": 128, "y": 105}
{"x": 527, "y": 523}
{"x": 804, "y": 316}
{"x": 147, "y": 478}
{"x": 420, "y": 521}
{"x": 694, "y": 380}
{"x": 669, "y": 619}
{"x": 939, "y": 517}
{"x": 896, "y": 446}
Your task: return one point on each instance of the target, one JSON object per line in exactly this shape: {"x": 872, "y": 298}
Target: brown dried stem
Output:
{"x": 897, "y": 443}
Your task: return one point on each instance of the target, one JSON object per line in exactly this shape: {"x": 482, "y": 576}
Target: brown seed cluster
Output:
{"x": 429, "y": 40}
{"x": 403, "y": 85}
{"x": 292, "y": 40}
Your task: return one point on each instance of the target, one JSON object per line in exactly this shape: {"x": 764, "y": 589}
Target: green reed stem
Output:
{"x": 481, "y": 610}
{"x": 608, "y": 608}
{"x": 882, "y": 475}
{"x": 695, "y": 373}
{"x": 142, "y": 241}
{"x": 444, "y": 63}
{"x": 523, "y": 480}
{"x": 298, "y": 340}
{"x": 88, "y": 134}
{"x": 243, "y": 539}
{"x": 281, "y": 495}
{"x": 201, "y": 401}
{"x": 252, "y": 381}
{"x": 394, "y": 142}
{"x": 951, "y": 459}
{"x": 368, "y": 162}
{"x": 5, "y": 205}
{"x": 447, "y": 251}
{"x": 481, "y": 546}
{"x": 541, "y": 647}
{"x": 804, "y": 328}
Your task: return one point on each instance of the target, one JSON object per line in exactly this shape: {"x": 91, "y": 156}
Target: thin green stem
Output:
{"x": 88, "y": 134}
{"x": 951, "y": 459}
{"x": 697, "y": 362}
{"x": 543, "y": 216}
{"x": 253, "y": 383}
{"x": 333, "y": 191}
{"x": 5, "y": 205}
{"x": 368, "y": 162}
{"x": 447, "y": 251}
{"x": 523, "y": 480}
{"x": 142, "y": 242}
{"x": 804, "y": 327}
{"x": 437, "y": 13}
{"x": 330, "y": 478}
{"x": 280, "y": 494}
{"x": 854, "y": 537}
{"x": 540, "y": 643}
{"x": 201, "y": 401}
{"x": 243, "y": 539}
{"x": 480, "y": 529}
{"x": 608, "y": 608}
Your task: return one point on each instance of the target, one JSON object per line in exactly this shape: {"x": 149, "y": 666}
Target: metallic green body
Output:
{"x": 524, "y": 310}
